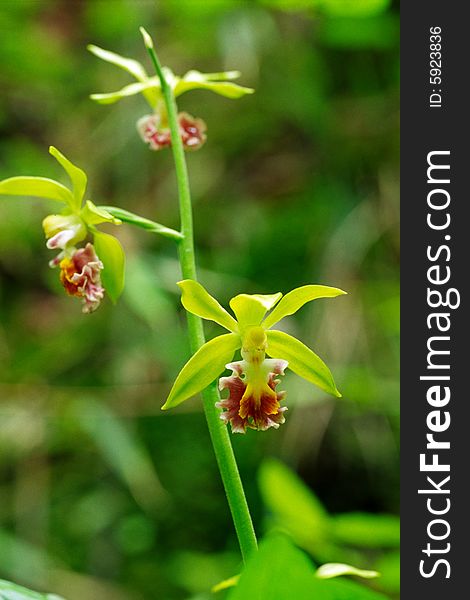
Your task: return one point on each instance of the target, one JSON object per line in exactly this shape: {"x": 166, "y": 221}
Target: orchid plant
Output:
{"x": 91, "y": 263}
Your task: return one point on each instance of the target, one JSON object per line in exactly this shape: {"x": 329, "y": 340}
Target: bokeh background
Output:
{"x": 103, "y": 496}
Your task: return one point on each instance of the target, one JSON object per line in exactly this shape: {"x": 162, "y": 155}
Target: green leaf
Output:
{"x": 198, "y": 301}
{"x": 11, "y": 591}
{"x": 39, "y": 187}
{"x": 142, "y": 222}
{"x": 251, "y": 308}
{"x": 129, "y": 90}
{"x": 202, "y": 368}
{"x": 330, "y": 570}
{"x": 293, "y": 505}
{"x": 279, "y": 571}
{"x": 128, "y": 64}
{"x": 302, "y": 360}
{"x": 366, "y": 530}
{"x": 276, "y": 572}
{"x": 223, "y": 88}
{"x": 297, "y": 298}
{"x": 341, "y": 589}
{"x": 94, "y": 215}
{"x": 110, "y": 252}
{"x": 77, "y": 177}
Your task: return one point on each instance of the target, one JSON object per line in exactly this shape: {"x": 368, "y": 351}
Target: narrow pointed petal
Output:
{"x": 128, "y": 64}
{"x": 77, "y": 177}
{"x": 198, "y": 301}
{"x": 194, "y": 75}
{"x": 297, "y": 298}
{"x": 302, "y": 360}
{"x": 251, "y": 308}
{"x": 223, "y": 88}
{"x": 202, "y": 368}
{"x": 128, "y": 90}
{"x": 40, "y": 187}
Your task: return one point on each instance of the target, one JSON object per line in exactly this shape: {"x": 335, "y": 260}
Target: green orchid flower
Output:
{"x": 253, "y": 401}
{"x": 80, "y": 268}
{"x": 153, "y": 128}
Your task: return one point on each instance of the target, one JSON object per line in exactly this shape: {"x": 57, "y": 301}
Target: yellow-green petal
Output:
{"x": 302, "y": 360}
{"x": 297, "y": 298}
{"x": 110, "y": 252}
{"x": 128, "y": 64}
{"x": 202, "y": 368}
{"x": 198, "y": 301}
{"x": 223, "y": 88}
{"x": 94, "y": 215}
{"x": 251, "y": 308}
{"x": 40, "y": 187}
{"x": 77, "y": 177}
{"x": 147, "y": 88}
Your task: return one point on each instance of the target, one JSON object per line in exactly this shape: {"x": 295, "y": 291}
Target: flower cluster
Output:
{"x": 253, "y": 400}
{"x": 153, "y": 128}
{"x": 82, "y": 269}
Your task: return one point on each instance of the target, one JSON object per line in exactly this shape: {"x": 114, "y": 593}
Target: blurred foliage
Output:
{"x": 280, "y": 571}
{"x": 101, "y": 495}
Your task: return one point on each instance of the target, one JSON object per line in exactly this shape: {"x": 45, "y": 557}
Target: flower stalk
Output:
{"x": 218, "y": 431}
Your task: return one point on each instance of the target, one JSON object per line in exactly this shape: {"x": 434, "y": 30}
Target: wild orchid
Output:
{"x": 85, "y": 272}
{"x": 253, "y": 400}
{"x": 154, "y": 128}
{"x": 80, "y": 268}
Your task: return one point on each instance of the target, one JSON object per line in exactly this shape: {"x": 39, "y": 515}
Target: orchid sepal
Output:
{"x": 203, "y": 368}
{"x": 303, "y": 361}
{"x": 38, "y": 187}
{"x": 295, "y": 299}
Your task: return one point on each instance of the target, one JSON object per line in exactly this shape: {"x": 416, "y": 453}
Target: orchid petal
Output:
{"x": 302, "y": 360}
{"x": 110, "y": 252}
{"x": 40, "y": 187}
{"x": 128, "y": 90}
{"x": 128, "y": 64}
{"x": 195, "y": 75}
{"x": 77, "y": 177}
{"x": 198, "y": 301}
{"x": 202, "y": 368}
{"x": 297, "y": 298}
{"x": 94, "y": 215}
{"x": 195, "y": 81}
{"x": 251, "y": 308}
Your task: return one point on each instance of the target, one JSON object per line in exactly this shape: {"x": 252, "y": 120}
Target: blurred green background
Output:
{"x": 103, "y": 496}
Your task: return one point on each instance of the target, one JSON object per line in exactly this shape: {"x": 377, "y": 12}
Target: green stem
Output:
{"x": 218, "y": 431}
